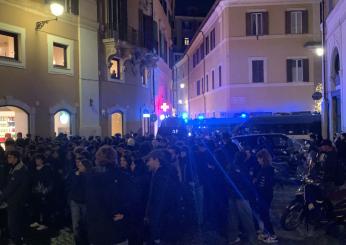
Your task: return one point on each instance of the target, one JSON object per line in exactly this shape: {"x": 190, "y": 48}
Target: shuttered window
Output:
{"x": 220, "y": 76}
{"x": 257, "y": 67}
{"x": 212, "y": 79}
{"x": 198, "y": 87}
{"x": 206, "y": 45}
{"x": 212, "y": 39}
{"x": 257, "y": 24}
{"x": 298, "y": 70}
{"x": 297, "y": 22}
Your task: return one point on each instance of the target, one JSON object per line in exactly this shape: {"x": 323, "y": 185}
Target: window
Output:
{"x": 198, "y": 88}
{"x": 59, "y": 55}
{"x": 298, "y": 70}
{"x": 212, "y": 79}
{"x": 186, "y": 41}
{"x": 12, "y": 46}
{"x": 8, "y": 45}
{"x": 203, "y": 86}
{"x": 201, "y": 51}
{"x": 220, "y": 76}
{"x": 297, "y": 22}
{"x": 114, "y": 69}
{"x": 206, "y": 45}
{"x": 257, "y": 71}
{"x": 212, "y": 39}
{"x": 207, "y": 83}
{"x": 257, "y": 24}
{"x": 187, "y": 25}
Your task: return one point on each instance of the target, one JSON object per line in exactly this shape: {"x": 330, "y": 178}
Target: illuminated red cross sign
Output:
{"x": 164, "y": 107}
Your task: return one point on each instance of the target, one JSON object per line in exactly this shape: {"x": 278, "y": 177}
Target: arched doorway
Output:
{"x": 117, "y": 123}
{"x": 62, "y": 122}
{"x": 12, "y": 121}
{"x": 335, "y": 92}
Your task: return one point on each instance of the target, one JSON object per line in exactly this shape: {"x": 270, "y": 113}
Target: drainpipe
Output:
{"x": 325, "y": 115}
{"x": 203, "y": 85}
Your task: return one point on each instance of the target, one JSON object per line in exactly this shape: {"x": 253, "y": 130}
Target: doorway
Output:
{"x": 117, "y": 123}
{"x": 62, "y": 122}
{"x": 12, "y": 121}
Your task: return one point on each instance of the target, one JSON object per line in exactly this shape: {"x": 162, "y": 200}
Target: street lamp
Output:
{"x": 57, "y": 9}
{"x": 319, "y": 51}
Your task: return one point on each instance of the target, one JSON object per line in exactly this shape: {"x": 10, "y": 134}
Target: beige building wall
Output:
{"x": 234, "y": 52}
{"x": 29, "y": 84}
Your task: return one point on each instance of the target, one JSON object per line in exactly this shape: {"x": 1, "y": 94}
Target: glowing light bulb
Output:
{"x": 56, "y": 9}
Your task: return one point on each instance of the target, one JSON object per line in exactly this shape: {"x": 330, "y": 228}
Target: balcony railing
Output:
{"x": 129, "y": 34}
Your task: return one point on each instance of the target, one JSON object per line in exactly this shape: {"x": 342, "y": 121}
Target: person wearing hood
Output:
{"x": 15, "y": 195}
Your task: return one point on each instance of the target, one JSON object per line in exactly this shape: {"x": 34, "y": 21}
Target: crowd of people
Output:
{"x": 136, "y": 190}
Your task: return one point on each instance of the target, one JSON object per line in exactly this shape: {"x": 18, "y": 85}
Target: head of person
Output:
{"x": 13, "y": 157}
{"x": 39, "y": 159}
{"x": 19, "y": 135}
{"x": 83, "y": 165}
{"x": 106, "y": 156}
{"x": 264, "y": 158}
{"x": 156, "y": 159}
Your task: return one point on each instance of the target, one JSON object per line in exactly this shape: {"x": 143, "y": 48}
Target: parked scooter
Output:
{"x": 311, "y": 208}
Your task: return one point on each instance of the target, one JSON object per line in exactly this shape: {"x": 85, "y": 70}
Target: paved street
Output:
{"x": 282, "y": 196}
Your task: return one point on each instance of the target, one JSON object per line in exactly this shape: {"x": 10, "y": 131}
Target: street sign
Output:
{"x": 317, "y": 96}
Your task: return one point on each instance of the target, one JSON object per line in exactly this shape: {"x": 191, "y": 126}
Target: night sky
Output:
{"x": 198, "y": 8}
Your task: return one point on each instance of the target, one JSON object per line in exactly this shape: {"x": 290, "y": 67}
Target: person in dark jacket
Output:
{"x": 76, "y": 197}
{"x": 161, "y": 211}
{"x": 238, "y": 186}
{"x": 4, "y": 169}
{"x": 108, "y": 200}
{"x": 264, "y": 183}
{"x": 42, "y": 186}
{"x": 15, "y": 195}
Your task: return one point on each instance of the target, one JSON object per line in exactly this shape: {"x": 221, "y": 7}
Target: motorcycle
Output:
{"x": 311, "y": 208}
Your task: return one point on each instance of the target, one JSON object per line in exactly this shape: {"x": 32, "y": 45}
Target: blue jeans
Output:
{"x": 240, "y": 213}
{"x": 78, "y": 214}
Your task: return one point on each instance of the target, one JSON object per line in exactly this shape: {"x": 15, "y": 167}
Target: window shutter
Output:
{"x": 305, "y": 22}
{"x": 288, "y": 22}
{"x": 289, "y": 65}
{"x": 260, "y": 71}
{"x": 265, "y": 23}
{"x": 306, "y": 70}
{"x": 248, "y": 24}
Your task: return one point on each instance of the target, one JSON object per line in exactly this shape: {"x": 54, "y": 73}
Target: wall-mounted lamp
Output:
{"x": 57, "y": 9}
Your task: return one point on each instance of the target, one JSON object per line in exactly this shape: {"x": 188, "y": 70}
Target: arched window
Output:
{"x": 62, "y": 122}
{"x": 117, "y": 123}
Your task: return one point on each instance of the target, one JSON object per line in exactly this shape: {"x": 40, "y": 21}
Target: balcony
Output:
{"x": 129, "y": 34}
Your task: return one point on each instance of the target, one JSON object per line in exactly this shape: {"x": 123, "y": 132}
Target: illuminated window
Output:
{"x": 59, "y": 55}
{"x": 8, "y": 45}
{"x": 186, "y": 41}
{"x": 114, "y": 69}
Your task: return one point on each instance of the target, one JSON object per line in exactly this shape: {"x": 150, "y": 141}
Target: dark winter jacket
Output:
{"x": 76, "y": 187}
{"x": 18, "y": 188}
{"x": 162, "y": 209}
{"x": 264, "y": 182}
{"x": 108, "y": 192}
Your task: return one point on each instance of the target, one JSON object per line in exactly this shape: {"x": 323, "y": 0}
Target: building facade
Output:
{"x": 184, "y": 30}
{"x": 254, "y": 56}
{"x": 49, "y": 84}
{"x": 335, "y": 66}
{"x": 135, "y": 55}
{"x": 102, "y": 67}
